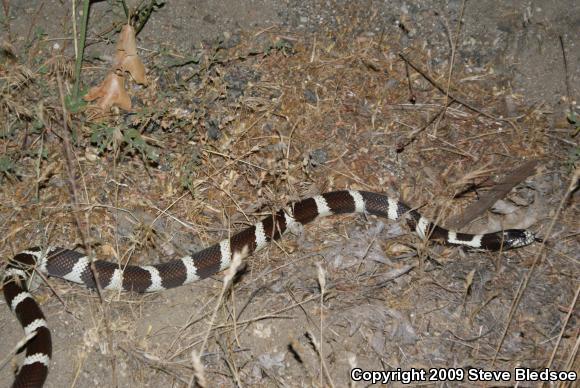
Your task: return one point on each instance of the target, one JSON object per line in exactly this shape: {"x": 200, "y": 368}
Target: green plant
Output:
{"x": 188, "y": 170}
{"x": 575, "y": 121}
{"x": 7, "y": 166}
{"x": 138, "y": 18}
{"x": 129, "y": 141}
{"x": 80, "y": 51}
{"x": 280, "y": 45}
{"x": 142, "y": 13}
{"x": 134, "y": 140}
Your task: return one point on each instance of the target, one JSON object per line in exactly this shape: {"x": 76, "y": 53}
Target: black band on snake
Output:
{"x": 75, "y": 266}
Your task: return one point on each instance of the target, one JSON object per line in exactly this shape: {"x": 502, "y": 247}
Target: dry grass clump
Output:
{"x": 238, "y": 133}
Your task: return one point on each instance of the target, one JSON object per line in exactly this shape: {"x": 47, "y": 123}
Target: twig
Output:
{"x": 324, "y": 368}
{"x": 76, "y": 209}
{"x": 400, "y": 147}
{"x": 566, "y": 73}
{"x": 498, "y": 191}
{"x": 146, "y": 15}
{"x": 18, "y": 346}
{"x": 273, "y": 315}
{"x": 564, "y": 325}
{"x": 6, "y": 8}
{"x": 572, "y": 357}
{"x": 66, "y": 145}
{"x": 153, "y": 362}
{"x": 231, "y": 365}
{"x": 452, "y": 97}
{"x": 452, "y": 61}
{"x": 197, "y": 377}
{"x": 322, "y": 284}
{"x": 412, "y": 98}
{"x": 32, "y": 22}
{"x": 525, "y": 281}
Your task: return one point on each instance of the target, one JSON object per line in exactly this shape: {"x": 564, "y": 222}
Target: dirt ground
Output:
{"x": 254, "y": 104}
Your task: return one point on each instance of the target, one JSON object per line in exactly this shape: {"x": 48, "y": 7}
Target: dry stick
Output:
{"x": 570, "y": 365}
{"x": 69, "y": 168}
{"x": 570, "y": 362}
{"x": 6, "y": 7}
{"x": 564, "y": 325}
{"x": 452, "y": 61}
{"x": 322, "y": 284}
{"x": 413, "y": 135}
{"x": 239, "y": 159}
{"x": 318, "y": 350}
{"x": 524, "y": 283}
{"x": 15, "y": 349}
{"x": 452, "y": 97}
{"x": 79, "y": 367}
{"x": 306, "y": 314}
{"x": 164, "y": 212}
{"x": 565, "y": 141}
{"x": 231, "y": 364}
{"x": 153, "y": 362}
{"x": 233, "y": 161}
{"x": 233, "y": 293}
{"x": 54, "y": 292}
{"x": 412, "y": 98}
{"x": 33, "y": 21}
{"x": 452, "y": 148}
{"x": 76, "y": 210}
{"x": 198, "y": 375}
{"x": 37, "y": 167}
{"x": 566, "y": 74}
{"x": 190, "y": 321}
{"x": 486, "y": 200}
{"x": 252, "y": 320}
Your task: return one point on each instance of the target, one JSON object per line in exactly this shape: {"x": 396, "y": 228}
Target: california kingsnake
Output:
{"x": 75, "y": 266}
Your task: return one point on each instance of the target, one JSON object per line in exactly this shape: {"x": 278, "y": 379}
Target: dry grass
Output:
{"x": 331, "y": 115}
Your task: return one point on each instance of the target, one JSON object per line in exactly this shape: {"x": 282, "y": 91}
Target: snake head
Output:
{"x": 516, "y": 238}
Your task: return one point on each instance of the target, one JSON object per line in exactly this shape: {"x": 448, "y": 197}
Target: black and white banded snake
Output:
{"x": 74, "y": 266}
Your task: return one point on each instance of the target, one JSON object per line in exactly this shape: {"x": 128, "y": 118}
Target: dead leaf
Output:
{"x": 469, "y": 280}
{"x": 397, "y": 249}
{"x": 127, "y": 42}
{"x": 132, "y": 65}
{"x": 126, "y": 58}
{"x": 111, "y": 92}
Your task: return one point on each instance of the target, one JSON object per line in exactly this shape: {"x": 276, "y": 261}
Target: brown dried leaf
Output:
{"x": 127, "y": 42}
{"x": 111, "y": 92}
{"x": 133, "y": 65}
{"x": 126, "y": 58}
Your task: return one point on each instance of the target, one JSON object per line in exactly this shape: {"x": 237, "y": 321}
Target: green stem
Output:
{"x": 81, "y": 49}
{"x": 145, "y": 17}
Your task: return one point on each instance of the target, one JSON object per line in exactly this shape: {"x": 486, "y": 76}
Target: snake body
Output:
{"x": 75, "y": 266}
